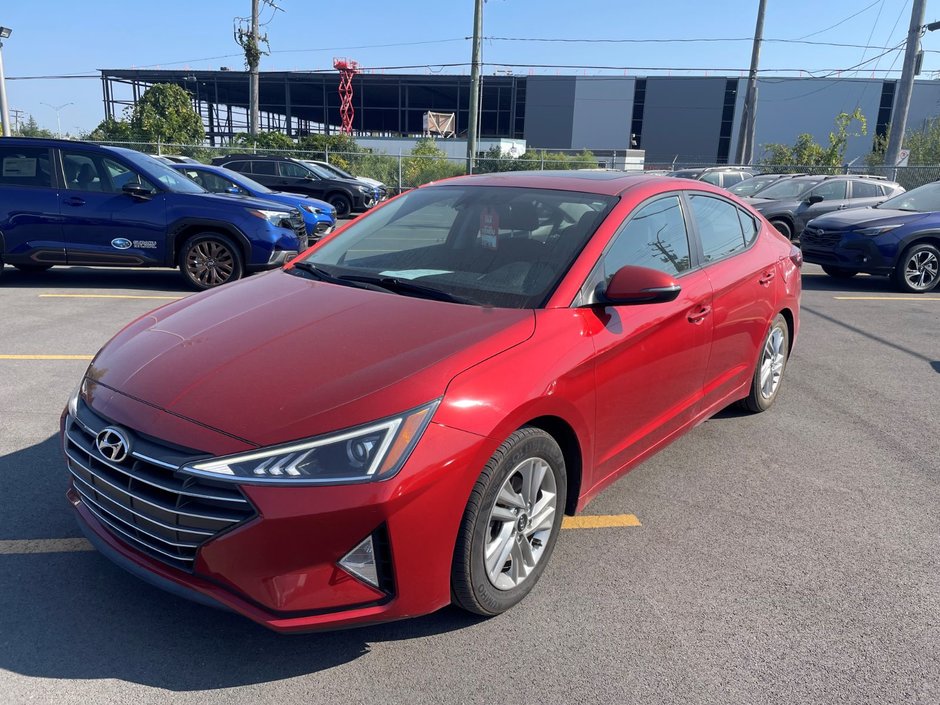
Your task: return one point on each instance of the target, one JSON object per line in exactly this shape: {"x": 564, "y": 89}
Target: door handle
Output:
{"x": 766, "y": 277}
{"x": 74, "y": 201}
{"x": 699, "y": 315}
{"x": 843, "y": 207}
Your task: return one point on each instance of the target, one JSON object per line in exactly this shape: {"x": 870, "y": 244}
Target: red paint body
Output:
{"x": 624, "y": 379}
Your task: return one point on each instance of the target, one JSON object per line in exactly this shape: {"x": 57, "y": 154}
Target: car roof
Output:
{"x": 257, "y": 157}
{"x": 49, "y": 142}
{"x": 608, "y": 183}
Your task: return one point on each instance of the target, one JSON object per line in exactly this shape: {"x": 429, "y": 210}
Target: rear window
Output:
{"x": 25, "y": 166}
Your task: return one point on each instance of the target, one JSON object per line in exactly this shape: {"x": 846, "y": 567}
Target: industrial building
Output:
{"x": 675, "y": 119}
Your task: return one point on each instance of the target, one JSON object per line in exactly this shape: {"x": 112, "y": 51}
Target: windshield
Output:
{"x": 490, "y": 246}
{"x": 320, "y": 171}
{"x": 788, "y": 188}
{"x": 749, "y": 187}
{"x": 921, "y": 199}
{"x": 157, "y": 170}
{"x": 334, "y": 169}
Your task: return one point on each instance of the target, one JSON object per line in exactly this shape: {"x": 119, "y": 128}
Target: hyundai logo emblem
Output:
{"x": 121, "y": 243}
{"x": 113, "y": 444}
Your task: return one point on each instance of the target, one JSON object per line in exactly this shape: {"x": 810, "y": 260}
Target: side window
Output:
{"x": 212, "y": 182}
{"x": 865, "y": 189}
{"x": 241, "y": 167}
{"x": 733, "y": 177}
{"x": 749, "y": 226}
{"x": 713, "y": 178}
{"x": 830, "y": 190}
{"x": 82, "y": 172}
{"x": 25, "y": 166}
{"x": 720, "y": 227}
{"x": 264, "y": 168}
{"x": 291, "y": 169}
{"x": 118, "y": 175}
{"x": 655, "y": 237}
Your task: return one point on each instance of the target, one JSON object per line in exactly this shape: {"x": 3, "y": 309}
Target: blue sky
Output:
{"x": 53, "y": 37}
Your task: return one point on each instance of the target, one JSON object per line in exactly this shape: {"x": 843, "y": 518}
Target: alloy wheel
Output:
{"x": 520, "y": 523}
{"x": 210, "y": 263}
{"x": 921, "y": 270}
{"x": 772, "y": 361}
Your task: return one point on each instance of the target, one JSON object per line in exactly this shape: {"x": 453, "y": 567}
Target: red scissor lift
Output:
{"x": 347, "y": 69}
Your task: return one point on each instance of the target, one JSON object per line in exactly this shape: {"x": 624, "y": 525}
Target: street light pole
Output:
{"x": 58, "y": 121}
{"x": 4, "y": 107}
{"x": 902, "y": 102}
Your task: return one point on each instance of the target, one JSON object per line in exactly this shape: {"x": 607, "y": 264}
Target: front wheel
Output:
{"x": 341, "y": 203}
{"x": 839, "y": 272}
{"x": 771, "y": 363}
{"x": 208, "y": 260}
{"x": 783, "y": 227}
{"x": 918, "y": 269}
{"x": 510, "y": 524}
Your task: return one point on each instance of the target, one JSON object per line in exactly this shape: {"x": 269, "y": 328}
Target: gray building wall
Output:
{"x": 603, "y": 109}
{"x": 549, "y": 111}
{"x": 925, "y": 104}
{"x": 682, "y": 119}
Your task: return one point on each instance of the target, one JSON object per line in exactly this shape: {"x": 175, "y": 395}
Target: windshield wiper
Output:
{"x": 323, "y": 275}
{"x": 403, "y": 286}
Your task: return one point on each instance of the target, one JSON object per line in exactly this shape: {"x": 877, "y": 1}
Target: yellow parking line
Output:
{"x": 46, "y": 357}
{"x": 107, "y": 296}
{"x": 600, "y": 522}
{"x": 884, "y": 298}
{"x": 14, "y": 548}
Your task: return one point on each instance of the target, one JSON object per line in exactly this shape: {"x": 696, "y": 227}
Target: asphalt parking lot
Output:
{"x": 790, "y": 557}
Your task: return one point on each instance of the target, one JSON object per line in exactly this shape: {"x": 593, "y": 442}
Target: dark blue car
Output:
{"x": 900, "y": 238}
{"x": 74, "y": 203}
{"x": 319, "y": 216}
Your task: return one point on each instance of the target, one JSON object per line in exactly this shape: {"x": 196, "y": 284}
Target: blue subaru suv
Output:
{"x": 75, "y": 203}
{"x": 899, "y": 238}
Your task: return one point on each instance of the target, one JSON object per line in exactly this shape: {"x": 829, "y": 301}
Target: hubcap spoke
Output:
{"x": 772, "y": 361}
{"x": 498, "y": 551}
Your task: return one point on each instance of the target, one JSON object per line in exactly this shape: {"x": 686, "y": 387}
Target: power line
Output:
{"x": 874, "y": 25}
{"x": 843, "y": 21}
{"x": 685, "y": 40}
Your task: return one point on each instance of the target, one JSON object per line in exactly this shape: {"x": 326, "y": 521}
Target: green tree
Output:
{"x": 111, "y": 130}
{"x": 272, "y": 141}
{"x": 164, "y": 114}
{"x": 807, "y": 152}
{"x": 428, "y": 162}
{"x": 31, "y": 128}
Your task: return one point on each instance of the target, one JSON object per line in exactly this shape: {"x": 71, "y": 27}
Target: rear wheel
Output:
{"x": 783, "y": 227}
{"x": 839, "y": 272}
{"x": 342, "y": 204}
{"x": 771, "y": 363}
{"x": 510, "y": 524}
{"x": 33, "y": 268}
{"x": 208, "y": 260}
{"x": 918, "y": 269}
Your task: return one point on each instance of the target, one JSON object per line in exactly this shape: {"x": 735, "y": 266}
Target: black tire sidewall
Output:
{"x": 535, "y": 443}
{"x": 238, "y": 271}
{"x": 777, "y": 224}
{"x": 899, "y": 279}
{"x": 342, "y": 203}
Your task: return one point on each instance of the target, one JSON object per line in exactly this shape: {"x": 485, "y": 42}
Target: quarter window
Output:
{"x": 25, "y": 166}
{"x": 655, "y": 237}
{"x": 721, "y": 227}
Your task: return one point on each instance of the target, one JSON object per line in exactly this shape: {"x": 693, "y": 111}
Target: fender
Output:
{"x": 910, "y": 239}
{"x": 178, "y": 226}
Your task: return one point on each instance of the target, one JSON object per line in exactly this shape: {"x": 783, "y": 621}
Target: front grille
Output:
{"x": 142, "y": 501}
{"x": 821, "y": 237}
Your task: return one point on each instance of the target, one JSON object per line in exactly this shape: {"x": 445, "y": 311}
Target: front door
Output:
{"x": 650, "y": 358}
{"x": 102, "y": 224}
{"x": 835, "y": 197}
{"x": 296, "y": 179}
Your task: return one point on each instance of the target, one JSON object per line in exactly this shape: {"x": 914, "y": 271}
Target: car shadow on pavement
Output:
{"x": 96, "y": 278}
{"x": 76, "y": 615}
{"x": 861, "y": 283}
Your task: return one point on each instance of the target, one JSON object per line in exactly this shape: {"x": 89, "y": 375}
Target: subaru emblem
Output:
{"x": 120, "y": 243}
{"x": 112, "y": 444}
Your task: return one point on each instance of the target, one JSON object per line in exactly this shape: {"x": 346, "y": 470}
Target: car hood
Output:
{"x": 316, "y": 202}
{"x": 230, "y": 199}
{"x": 278, "y": 357}
{"x": 367, "y": 180}
{"x": 864, "y": 217}
{"x": 765, "y": 204}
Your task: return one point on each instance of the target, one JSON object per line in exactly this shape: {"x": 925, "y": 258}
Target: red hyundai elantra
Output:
{"x": 399, "y": 419}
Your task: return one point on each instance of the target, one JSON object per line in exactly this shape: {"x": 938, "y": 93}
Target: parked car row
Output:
{"x": 75, "y": 203}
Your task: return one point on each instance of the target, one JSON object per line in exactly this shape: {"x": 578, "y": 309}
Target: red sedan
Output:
{"x": 400, "y": 418}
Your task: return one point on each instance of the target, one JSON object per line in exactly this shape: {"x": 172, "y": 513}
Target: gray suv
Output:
{"x": 724, "y": 176}
{"x": 791, "y": 203}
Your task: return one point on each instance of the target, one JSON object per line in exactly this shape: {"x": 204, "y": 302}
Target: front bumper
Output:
{"x": 857, "y": 252}
{"x": 281, "y": 569}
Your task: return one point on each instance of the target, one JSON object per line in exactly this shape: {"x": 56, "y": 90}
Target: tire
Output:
{"x": 918, "y": 269}
{"x": 783, "y": 227}
{"x": 839, "y": 272}
{"x": 208, "y": 260}
{"x": 342, "y": 203}
{"x": 771, "y": 364}
{"x": 486, "y": 525}
{"x": 33, "y": 268}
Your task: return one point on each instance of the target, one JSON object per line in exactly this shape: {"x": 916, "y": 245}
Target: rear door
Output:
{"x": 102, "y": 224}
{"x": 30, "y": 229}
{"x": 741, "y": 267}
{"x": 865, "y": 193}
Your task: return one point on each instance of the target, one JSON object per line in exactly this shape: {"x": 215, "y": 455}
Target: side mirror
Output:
{"x": 812, "y": 200}
{"x": 137, "y": 190}
{"x": 638, "y": 285}
{"x": 233, "y": 189}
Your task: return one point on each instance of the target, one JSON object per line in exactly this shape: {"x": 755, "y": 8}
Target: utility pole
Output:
{"x": 745, "y": 151}
{"x": 474, "y": 117}
{"x": 253, "y": 68}
{"x": 902, "y": 99}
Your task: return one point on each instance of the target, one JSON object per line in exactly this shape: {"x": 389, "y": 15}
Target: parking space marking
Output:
{"x": 884, "y": 298}
{"x": 26, "y": 546}
{"x": 600, "y": 521}
{"x": 108, "y": 296}
{"x": 46, "y": 357}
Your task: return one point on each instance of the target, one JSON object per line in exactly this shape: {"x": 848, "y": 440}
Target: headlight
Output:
{"x": 72, "y": 406}
{"x": 371, "y": 452}
{"x": 273, "y": 217}
{"x": 311, "y": 209}
{"x": 872, "y": 232}
{"x": 365, "y": 189}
